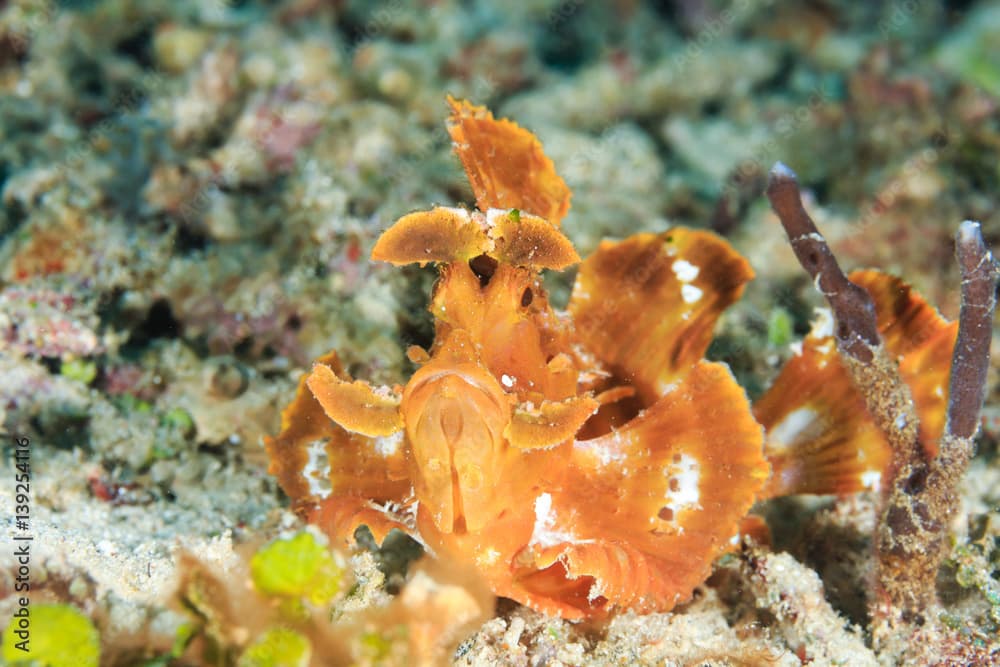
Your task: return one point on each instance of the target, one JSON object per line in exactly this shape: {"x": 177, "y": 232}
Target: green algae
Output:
{"x": 60, "y": 636}
{"x": 298, "y": 567}
{"x": 80, "y": 370}
{"x": 779, "y": 328}
{"x": 278, "y": 647}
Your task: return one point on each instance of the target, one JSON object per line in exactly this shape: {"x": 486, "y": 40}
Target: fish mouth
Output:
{"x": 455, "y": 420}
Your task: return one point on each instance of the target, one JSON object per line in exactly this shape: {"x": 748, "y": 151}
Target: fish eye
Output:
{"x": 526, "y": 297}
{"x": 484, "y": 267}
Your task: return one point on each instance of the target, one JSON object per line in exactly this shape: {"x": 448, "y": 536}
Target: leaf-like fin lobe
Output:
{"x": 647, "y": 306}
{"x": 356, "y": 406}
{"x": 505, "y": 163}
{"x": 528, "y": 240}
{"x": 440, "y": 235}
{"x": 552, "y": 423}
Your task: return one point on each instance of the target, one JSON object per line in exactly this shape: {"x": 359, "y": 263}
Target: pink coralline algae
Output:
{"x": 46, "y": 323}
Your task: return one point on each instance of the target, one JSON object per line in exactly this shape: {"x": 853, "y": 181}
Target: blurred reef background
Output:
{"x": 190, "y": 191}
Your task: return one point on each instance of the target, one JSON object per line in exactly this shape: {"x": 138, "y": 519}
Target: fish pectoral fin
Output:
{"x": 356, "y": 406}
{"x": 821, "y": 439}
{"x": 658, "y": 499}
{"x": 549, "y": 424}
{"x": 646, "y": 306}
{"x": 593, "y": 577}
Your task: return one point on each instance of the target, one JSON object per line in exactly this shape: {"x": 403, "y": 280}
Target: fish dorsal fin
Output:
{"x": 505, "y": 163}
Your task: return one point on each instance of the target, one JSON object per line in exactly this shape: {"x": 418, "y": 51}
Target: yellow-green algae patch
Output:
{"x": 295, "y": 568}
{"x": 278, "y": 647}
{"x": 59, "y": 635}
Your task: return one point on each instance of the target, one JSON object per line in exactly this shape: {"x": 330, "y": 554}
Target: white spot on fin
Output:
{"x": 797, "y": 426}
{"x": 822, "y": 326}
{"x": 546, "y": 532}
{"x": 871, "y": 479}
{"x": 684, "y": 270}
{"x": 388, "y": 445}
{"x": 317, "y": 469}
{"x": 683, "y": 493}
{"x": 690, "y": 293}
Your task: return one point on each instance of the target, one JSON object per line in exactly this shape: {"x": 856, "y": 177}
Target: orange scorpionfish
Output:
{"x": 588, "y": 460}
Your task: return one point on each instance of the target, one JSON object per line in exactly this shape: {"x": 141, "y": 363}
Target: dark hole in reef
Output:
{"x": 138, "y": 46}
{"x": 243, "y": 349}
{"x": 15, "y": 212}
{"x": 189, "y": 240}
{"x": 159, "y": 323}
{"x": 393, "y": 558}
{"x": 484, "y": 267}
{"x": 13, "y": 50}
{"x": 361, "y": 24}
{"x": 711, "y": 108}
{"x": 62, "y": 430}
{"x": 958, "y": 8}
{"x": 565, "y": 43}
{"x": 689, "y": 19}
{"x": 51, "y": 364}
{"x": 4, "y": 174}
{"x": 916, "y": 482}
{"x": 842, "y": 331}
{"x": 526, "y": 297}
{"x": 87, "y": 76}
{"x": 666, "y": 514}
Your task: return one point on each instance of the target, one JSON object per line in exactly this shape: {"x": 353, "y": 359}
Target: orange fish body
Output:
{"x": 581, "y": 462}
